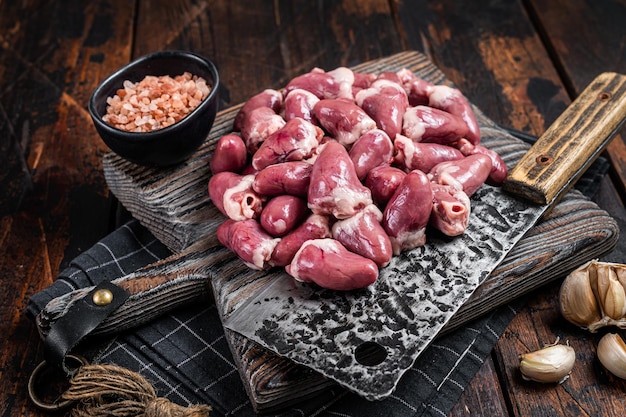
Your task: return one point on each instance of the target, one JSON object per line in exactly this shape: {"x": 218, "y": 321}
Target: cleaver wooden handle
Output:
{"x": 567, "y": 148}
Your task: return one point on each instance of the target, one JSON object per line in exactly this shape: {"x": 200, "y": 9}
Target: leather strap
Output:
{"x": 80, "y": 320}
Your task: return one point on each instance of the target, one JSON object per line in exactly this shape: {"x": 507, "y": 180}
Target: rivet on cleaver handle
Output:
{"x": 567, "y": 148}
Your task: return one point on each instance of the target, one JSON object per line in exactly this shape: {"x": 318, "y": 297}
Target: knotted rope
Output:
{"x": 112, "y": 391}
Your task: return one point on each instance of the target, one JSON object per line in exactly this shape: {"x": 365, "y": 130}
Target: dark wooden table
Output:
{"x": 520, "y": 61}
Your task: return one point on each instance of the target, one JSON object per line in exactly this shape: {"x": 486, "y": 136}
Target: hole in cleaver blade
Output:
{"x": 370, "y": 353}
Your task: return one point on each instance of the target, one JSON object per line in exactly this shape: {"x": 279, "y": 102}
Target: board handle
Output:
{"x": 155, "y": 289}
{"x": 572, "y": 143}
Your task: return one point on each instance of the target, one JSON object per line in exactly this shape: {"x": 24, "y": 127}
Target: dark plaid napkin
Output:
{"x": 187, "y": 358}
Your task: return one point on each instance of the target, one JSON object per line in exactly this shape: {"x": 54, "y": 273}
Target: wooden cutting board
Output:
{"x": 173, "y": 204}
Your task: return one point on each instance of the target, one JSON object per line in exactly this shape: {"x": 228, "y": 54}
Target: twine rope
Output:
{"x": 113, "y": 391}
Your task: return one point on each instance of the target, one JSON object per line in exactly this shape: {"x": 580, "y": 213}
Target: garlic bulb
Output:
{"x": 593, "y": 295}
{"x": 612, "y": 354}
{"x": 553, "y": 363}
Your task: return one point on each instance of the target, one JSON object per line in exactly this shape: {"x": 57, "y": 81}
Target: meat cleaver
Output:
{"x": 366, "y": 339}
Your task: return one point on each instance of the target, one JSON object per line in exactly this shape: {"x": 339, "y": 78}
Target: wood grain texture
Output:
{"x": 569, "y": 146}
{"x": 158, "y": 288}
{"x": 480, "y": 402}
{"x": 600, "y": 392}
{"x": 580, "y": 55}
{"x": 520, "y": 61}
{"x": 597, "y": 46}
{"x": 173, "y": 203}
{"x": 54, "y": 201}
{"x": 493, "y": 53}
{"x": 500, "y": 54}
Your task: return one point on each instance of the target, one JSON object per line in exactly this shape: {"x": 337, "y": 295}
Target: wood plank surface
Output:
{"x": 579, "y": 54}
{"x": 54, "y": 201}
{"x": 520, "y": 61}
{"x": 511, "y": 76}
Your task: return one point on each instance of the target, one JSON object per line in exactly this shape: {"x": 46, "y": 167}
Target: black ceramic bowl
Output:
{"x": 169, "y": 145}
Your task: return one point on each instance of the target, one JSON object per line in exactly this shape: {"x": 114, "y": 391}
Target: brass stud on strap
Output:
{"x": 102, "y": 297}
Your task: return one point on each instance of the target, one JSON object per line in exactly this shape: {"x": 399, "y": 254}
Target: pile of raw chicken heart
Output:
{"x": 339, "y": 171}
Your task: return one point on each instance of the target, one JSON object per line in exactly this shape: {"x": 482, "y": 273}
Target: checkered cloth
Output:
{"x": 187, "y": 358}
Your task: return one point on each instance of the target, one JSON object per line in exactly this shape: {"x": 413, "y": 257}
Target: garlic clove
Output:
{"x": 612, "y": 354}
{"x": 610, "y": 291}
{"x": 577, "y": 301}
{"x": 620, "y": 271}
{"x": 594, "y": 295}
{"x": 553, "y": 363}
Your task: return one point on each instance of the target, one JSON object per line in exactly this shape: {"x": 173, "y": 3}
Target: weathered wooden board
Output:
{"x": 173, "y": 203}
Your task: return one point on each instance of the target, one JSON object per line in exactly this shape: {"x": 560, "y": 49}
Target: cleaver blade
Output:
{"x": 365, "y": 340}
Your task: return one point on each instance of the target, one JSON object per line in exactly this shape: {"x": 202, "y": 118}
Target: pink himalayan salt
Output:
{"x": 155, "y": 102}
